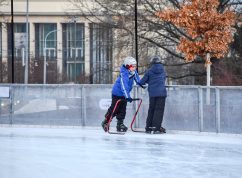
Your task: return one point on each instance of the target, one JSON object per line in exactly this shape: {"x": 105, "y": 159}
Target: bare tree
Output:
{"x": 155, "y": 36}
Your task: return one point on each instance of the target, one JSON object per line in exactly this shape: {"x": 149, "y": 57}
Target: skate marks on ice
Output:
{"x": 90, "y": 153}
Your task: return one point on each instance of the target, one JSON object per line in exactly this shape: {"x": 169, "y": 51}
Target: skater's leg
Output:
{"x": 106, "y": 120}
{"x": 109, "y": 113}
{"x": 158, "y": 114}
{"x": 121, "y": 113}
{"x": 151, "y": 110}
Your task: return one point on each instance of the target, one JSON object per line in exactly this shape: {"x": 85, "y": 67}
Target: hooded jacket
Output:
{"x": 124, "y": 83}
{"x": 155, "y": 77}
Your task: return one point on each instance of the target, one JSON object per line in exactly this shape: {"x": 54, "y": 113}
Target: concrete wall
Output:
{"x": 85, "y": 105}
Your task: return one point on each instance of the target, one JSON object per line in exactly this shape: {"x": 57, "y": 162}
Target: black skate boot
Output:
{"x": 105, "y": 122}
{"x": 160, "y": 131}
{"x": 105, "y": 125}
{"x": 150, "y": 130}
{"x": 121, "y": 127}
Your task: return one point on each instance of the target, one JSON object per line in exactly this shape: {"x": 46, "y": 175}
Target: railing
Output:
{"x": 85, "y": 105}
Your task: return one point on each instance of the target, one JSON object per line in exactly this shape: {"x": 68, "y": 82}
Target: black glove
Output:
{"x": 144, "y": 87}
{"x": 129, "y": 100}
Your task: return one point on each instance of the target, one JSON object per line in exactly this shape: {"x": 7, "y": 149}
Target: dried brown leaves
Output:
{"x": 211, "y": 31}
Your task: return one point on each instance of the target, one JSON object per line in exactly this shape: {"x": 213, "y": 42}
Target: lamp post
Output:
{"x": 44, "y": 74}
{"x": 12, "y": 40}
{"x": 136, "y": 34}
{"x": 27, "y": 44}
{"x": 75, "y": 50}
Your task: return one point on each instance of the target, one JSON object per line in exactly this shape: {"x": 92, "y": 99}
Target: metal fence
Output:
{"x": 85, "y": 105}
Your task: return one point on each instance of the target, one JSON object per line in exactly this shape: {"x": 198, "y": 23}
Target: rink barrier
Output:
{"x": 85, "y": 105}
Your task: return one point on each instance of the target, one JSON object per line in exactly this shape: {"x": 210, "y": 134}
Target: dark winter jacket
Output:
{"x": 124, "y": 83}
{"x": 155, "y": 77}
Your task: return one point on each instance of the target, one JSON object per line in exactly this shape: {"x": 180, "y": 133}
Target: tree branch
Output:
{"x": 188, "y": 75}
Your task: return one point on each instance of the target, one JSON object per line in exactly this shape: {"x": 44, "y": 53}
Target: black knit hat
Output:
{"x": 155, "y": 60}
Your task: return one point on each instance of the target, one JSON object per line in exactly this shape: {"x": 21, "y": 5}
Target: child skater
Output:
{"x": 121, "y": 90}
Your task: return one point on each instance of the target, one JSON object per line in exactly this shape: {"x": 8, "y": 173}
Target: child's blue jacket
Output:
{"x": 124, "y": 83}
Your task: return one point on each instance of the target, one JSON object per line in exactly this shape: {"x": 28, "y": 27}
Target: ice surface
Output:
{"x": 27, "y": 152}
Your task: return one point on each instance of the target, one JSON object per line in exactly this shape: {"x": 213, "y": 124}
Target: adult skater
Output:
{"x": 155, "y": 77}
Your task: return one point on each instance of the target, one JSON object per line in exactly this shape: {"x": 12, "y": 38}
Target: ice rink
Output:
{"x": 34, "y": 152}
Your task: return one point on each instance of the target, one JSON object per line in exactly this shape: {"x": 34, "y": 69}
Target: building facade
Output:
{"x": 75, "y": 49}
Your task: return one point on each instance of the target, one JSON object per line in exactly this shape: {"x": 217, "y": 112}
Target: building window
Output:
{"x": 101, "y": 53}
{"x": 41, "y": 32}
{"x": 19, "y": 40}
{"x": 73, "y": 50}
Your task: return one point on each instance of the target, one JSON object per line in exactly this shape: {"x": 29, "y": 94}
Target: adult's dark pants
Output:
{"x": 155, "y": 112}
{"x": 120, "y": 111}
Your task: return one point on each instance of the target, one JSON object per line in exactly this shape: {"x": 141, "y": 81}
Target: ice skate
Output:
{"x": 160, "y": 131}
{"x": 150, "y": 130}
{"x": 105, "y": 125}
{"x": 121, "y": 127}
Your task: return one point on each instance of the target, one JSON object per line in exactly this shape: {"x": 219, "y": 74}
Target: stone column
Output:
{"x": 4, "y": 43}
{"x": 5, "y": 52}
{"x": 87, "y": 49}
{"x": 32, "y": 41}
{"x": 59, "y": 52}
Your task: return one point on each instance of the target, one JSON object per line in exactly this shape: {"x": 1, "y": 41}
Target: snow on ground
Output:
{"x": 76, "y": 152}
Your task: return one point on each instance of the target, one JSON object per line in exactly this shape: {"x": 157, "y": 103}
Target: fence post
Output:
{"x": 83, "y": 106}
{"x": 217, "y": 110}
{"x": 11, "y": 105}
{"x": 200, "y": 108}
